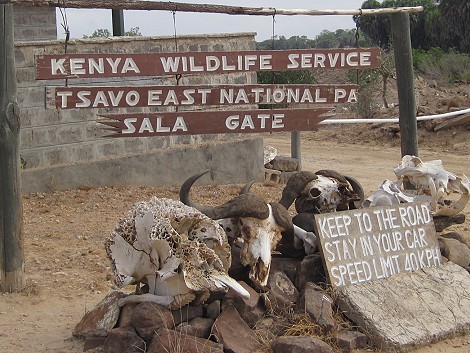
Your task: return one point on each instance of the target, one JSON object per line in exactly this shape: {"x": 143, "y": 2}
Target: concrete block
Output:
{"x": 30, "y": 97}
{"x": 32, "y": 159}
{"x": 410, "y": 310}
{"x": 82, "y": 153}
{"x": 56, "y": 157}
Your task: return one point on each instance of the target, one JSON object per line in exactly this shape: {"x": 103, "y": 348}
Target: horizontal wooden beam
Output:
{"x": 206, "y": 8}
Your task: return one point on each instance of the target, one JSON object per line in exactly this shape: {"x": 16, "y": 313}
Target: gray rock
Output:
{"x": 270, "y": 327}
{"x": 285, "y": 164}
{"x": 282, "y": 292}
{"x": 167, "y": 340}
{"x": 318, "y": 305}
{"x": 93, "y": 342}
{"x": 187, "y": 313}
{"x": 455, "y": 251}
{"x": 124, "y": 340}
{"x": 212, "y": 310}
{"x": 125, "y": 316}
{"x": 148, "y": 318}
{"x": 286, "y": 265}
{"x": 454, "y": 235}
{"x": 437, "y": 306}
{"x": 310, "y": 269}
{"x": 235, "y": 335}
{"x": 251, "y": 309}
{"x": 202, "y": 326}
{"x": 102, "y": 318}
{"x": 300, "y": 344}
{"x": 441, "y": 223}
{"x": 347, "y": 341}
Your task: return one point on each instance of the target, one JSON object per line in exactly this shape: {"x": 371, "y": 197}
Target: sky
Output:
{"x": 160, "y": 23}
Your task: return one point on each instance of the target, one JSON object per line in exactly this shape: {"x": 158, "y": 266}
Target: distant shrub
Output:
{"x": 437, "y": 64}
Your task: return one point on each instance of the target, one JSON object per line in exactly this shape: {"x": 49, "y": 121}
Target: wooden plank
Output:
{"x": 12, "y": 276}
{"x": 205, "y": 8}
{"x": 213, "y": 122}
{"x": 60, "y": 66}
{"x": 456, "y": 121}
{"x": 373, "y": 243}
{"x": 168, "y": 95}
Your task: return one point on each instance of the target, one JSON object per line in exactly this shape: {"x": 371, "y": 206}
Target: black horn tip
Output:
{"x": 186, "y": 186}
{"x": 246, "y": 188}
{"x": 294, "y": 187}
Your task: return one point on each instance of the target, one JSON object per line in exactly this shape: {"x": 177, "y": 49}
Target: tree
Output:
{"x": 281, "y": 43}
{"x": 378, "y": 27}
{"x": 341, "y": 38}
{"x": 104, "y": 33}
{"x": 455, "y": 29}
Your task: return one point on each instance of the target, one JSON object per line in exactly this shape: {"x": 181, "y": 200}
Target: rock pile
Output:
{"x": 294, "y": 313}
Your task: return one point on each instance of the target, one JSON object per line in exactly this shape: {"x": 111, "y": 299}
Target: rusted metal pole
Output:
{"x": 208, "y": 8}
{"x": 406, "y": 94}
{"x": 11, "y": 210}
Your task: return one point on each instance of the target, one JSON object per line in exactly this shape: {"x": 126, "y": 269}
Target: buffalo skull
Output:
{"x": 257, "y": 223}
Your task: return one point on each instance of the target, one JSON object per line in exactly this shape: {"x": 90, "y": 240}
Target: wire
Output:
{"x": 65, "y": 26}
{"x": 177, "y": 76}
{"x": 273, "y": 76}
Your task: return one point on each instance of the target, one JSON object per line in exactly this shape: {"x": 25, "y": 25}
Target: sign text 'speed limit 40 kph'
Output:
{"x": 373, "y": 243}
{"x": 158, "y": 64}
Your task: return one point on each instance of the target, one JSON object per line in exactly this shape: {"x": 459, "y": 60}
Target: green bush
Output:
{"x": 437, "y": 64}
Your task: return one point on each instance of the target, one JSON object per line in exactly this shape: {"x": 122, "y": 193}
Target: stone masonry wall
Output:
{"x": 59, "y": 138}
{"x": 34, "y": 23}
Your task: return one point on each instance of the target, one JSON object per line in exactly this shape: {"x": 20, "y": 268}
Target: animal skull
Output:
{"x": 321, "y": 192}
{"x": 249, "y": 217}
{"x": 387, "y": 194}
{"x": 181, "y": 254}
{"x": 432, "y": 183}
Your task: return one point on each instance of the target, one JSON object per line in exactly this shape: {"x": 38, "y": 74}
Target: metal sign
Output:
{"x": 213, "y": 122}
{"x": 164, "y": 96}
{"x": 58, "y": 66}
{"x": 368, "y": 244}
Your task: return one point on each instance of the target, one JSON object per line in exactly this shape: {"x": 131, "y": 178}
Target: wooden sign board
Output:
{"x": 164, "y": 96}
{"x": 213, "y": 122}
{"x": 368, "y": 244}
{"x": 59, "y": 66}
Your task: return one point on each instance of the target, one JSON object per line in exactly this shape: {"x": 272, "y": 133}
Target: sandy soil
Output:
{"x": 66, "y": 266}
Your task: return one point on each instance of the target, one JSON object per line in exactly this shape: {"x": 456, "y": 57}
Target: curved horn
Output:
{"x": 246, "y": 205}
{"x": 357, "y": 188}
{"x": 454, "y": 207}
{"x": 246, "y": 188}
{"x": 184, "y": 193}
{"x": 294, "y": 187}
{"x": 332, "y": 174}
{"x": 282, "y": 218}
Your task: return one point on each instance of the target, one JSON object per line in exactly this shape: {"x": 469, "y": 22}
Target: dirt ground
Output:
{"x": 66, "y": 266}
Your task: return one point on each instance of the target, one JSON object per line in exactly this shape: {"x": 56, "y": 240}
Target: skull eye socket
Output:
{"x": 314, "y": 192}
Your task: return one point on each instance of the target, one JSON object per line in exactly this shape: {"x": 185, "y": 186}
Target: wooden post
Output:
{"x": 118, "y": 22}
{"x": 406, "y": 94}
{"x": 296, "y": 148}
{"x": 11, "y": 211}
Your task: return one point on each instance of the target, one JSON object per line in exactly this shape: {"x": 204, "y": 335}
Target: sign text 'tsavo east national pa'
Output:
{"x": 368, "y": 244}
{"x": 78, "y": 66}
